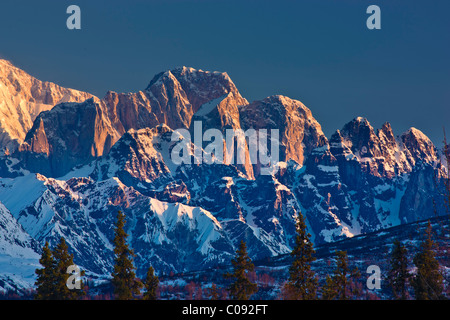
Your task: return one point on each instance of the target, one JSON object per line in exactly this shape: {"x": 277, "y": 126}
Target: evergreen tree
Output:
{"x": 398, "y": 275}
{"x": 213, "y": 292}
{"x": 241, "y": 288}
{"x": 151, "y": 285}
{"x": 62, "y": 261}
{"x": 329, "y": 290}
{"x": 340, "y": 275}
{"x": 427, "y": 282}
{"x": 339, "y": 286}
{"x": 45, "y": 282}
{"x": 446, "y": 180}
{"x": 302, "y": 283}
{"x": 126, "y": 286}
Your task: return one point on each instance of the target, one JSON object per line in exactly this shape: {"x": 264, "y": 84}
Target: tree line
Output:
{"x": 426, "y": 283}
{"x": 302, "y": 284}
{"x": 52, "y": 279}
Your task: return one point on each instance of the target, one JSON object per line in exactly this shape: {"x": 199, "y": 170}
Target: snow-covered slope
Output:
{"x": 81, "y": 162}
{"x": 170, "y": 236}
{"x": 19, "y": 255}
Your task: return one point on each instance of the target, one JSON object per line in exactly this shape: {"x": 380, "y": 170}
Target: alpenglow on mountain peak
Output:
{"x": 80, "y": 161}
{"x": 191, "y": 74}
{"x": 22, "y": 98}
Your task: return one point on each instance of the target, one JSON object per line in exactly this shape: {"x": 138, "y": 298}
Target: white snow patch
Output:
{"x": 209, "y": 106}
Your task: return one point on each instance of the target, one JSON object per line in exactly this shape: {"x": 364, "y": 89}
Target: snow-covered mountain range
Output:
{"x": 71, "y": 160}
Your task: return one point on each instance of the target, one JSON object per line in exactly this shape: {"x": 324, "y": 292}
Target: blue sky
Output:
{"x": 317, "y": 51}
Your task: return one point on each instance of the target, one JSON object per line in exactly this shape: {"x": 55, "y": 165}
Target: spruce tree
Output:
{"x": 339, "y": 286}
{"x": 329, "y": 290}
{"x": 45, "y": 283}
{"x": 241, "y": 288}
{"x": 63, "y": 260}
{"x": 428, "y": 281}
{"x": 151, "y": 285}
{"x": 446, "y": 180}
{"x": 341, "y": 275}
{"x": 126, "y": 286}
{"x": 302, "y": 283}
{"x": 398, "y": 274}
{"x": 52, "y": 279}
{"x": 213, "y": 292}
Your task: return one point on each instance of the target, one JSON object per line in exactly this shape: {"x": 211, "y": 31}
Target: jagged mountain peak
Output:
{"x": 419, "y": 145}
{"x": 360, "y": 137}
{"x": 23, "y": 97}
{"x": 192, "y": 72}
{"x": 160, "y": 78}
{"x": 417, "y": 134}
{"x": 357, "y": 126}
{"x": 386, "y": 127}
{"x": 382, "y": 153}
{"x": 277, "y": 108}
{"x": 360, "y": 134}
{"x": 387, "y": 137}
{"x": 198, "y": 85}
{"x": 172, "y": 99}
{"x": 299, "y": 131}
{"x": 386, "y": 132}
{"x": 189, "y": 74}
{"x": 362, "y": 120}
{"x": 285, "y": 101}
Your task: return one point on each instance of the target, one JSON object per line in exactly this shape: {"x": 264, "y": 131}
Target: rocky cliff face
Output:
{"x": 22, "y": 98}
{"x": 173, "y": 97}
{"x": 299, "y": 132}
{"x": 377, "y": 168}
{"x": 81, "y": 162}
{"x": 86, "y": 130}
{"x": 67, "y": 135}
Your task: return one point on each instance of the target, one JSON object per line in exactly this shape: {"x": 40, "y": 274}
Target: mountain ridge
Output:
{"x": 81, "y": 162}
{"x": 23, "y": 97}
